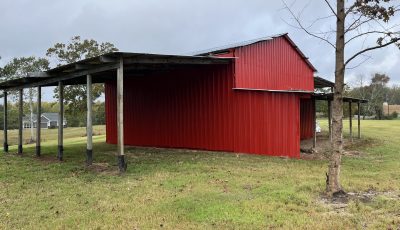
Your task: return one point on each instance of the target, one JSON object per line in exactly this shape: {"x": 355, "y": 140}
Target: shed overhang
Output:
{"x": 320, "y": 83}
{"x": 103, "y": 68}
{"x": 329, "y": 97}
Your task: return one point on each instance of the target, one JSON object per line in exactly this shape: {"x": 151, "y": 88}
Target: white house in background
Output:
{"x": 48, "y": 121}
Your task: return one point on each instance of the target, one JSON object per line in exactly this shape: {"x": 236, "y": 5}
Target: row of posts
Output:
{"x": 89, "y": 129}
{"x": 330, "y": 121}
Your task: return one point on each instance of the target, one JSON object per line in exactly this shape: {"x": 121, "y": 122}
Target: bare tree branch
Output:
{"x": 320, "y": 19}
{"x": 304, "y": 28}
{"x": 359, "y": 64}
{"x": 330, "y": 7}
{"x": 367, "y": 33}
{"x": 357, "y": 24}
{"x": 350, "y": 9}
{"x": 371, "y": 48}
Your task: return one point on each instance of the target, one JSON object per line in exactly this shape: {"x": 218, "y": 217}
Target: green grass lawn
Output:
{"x": 179, "y": 189}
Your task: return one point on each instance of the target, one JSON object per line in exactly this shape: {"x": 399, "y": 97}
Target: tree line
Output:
{"x": 376, "y": 89}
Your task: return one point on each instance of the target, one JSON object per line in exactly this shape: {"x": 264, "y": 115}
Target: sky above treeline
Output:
{"x": 29, "y": 28}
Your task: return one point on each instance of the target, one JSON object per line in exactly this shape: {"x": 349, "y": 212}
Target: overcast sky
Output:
{"x": 172, "y": 26}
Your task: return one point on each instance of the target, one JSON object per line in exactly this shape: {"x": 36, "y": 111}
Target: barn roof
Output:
{"x": 103, "y": 67}
{"x": 320, "y": 82}
{"x": 221, "y": 49}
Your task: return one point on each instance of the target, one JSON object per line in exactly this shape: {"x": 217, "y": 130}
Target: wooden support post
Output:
{"x": 89, "y": 128}
{"x": 359, "y": 120}
{"x": 314, "y": 124}
{"x": 60, "y": 121}
{"x": 351, "y": 122}
{"x": 20, "y": 115}
{"x": 120, "y": 116}
{"x": 38, "y": 119}
{"x": 330, "y": 119}
{"x": 5, "y": 127}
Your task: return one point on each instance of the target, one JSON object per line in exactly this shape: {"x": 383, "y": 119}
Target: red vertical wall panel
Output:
{"x": 198, "y": 109}
{"x": 187, "y": 108}
{"x": 272, "y": 65}
{"x": 306, "y": 118}
{"x": 267, "y": 123}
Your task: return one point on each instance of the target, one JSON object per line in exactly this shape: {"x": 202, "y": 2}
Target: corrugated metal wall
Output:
{"x": 198, "y": 109}
{"x": 267, "y": 123}
{"x": 272, "y": 65}
{"x": 188, "y": 108}
{"x": 306, "y": 118}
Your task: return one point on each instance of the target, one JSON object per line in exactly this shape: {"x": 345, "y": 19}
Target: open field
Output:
{"x": 51, "y": 134}
{"x": 179, "y": 189}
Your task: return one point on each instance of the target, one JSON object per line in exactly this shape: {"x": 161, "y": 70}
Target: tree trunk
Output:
{"x": 333, "y": 186}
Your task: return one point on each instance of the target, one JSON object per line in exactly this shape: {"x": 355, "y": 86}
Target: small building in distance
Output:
{"x": 48, "y": 121}
{"x": 390, "y": 109}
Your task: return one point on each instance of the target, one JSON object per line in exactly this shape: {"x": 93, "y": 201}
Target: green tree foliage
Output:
{"x": 75, "y": 96}
{"x": 393, "y": 97}
{"x": 376, "y": 92}
{"x": 20, "y": 67}
{"x": 78, "y": 49}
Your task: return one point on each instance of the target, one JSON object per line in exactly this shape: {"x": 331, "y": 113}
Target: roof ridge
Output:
{"x": 235, "y": 45}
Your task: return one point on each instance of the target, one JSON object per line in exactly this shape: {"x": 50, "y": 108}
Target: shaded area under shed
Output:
{"x": 111, "y": 66}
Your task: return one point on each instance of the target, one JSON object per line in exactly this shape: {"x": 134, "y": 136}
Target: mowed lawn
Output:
{"x": 182, "y": 189}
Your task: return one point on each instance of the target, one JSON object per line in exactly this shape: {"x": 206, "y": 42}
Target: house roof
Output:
{"x": 48, "y": 116}
{"x": 216, "y": 50}
{"x": 51, "y": 116}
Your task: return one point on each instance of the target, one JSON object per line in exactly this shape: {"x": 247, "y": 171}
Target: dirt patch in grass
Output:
{"x": 341, "y": 201}
{"x": 103, "y": 168}
{"x": 47, "y": 159}
{"x": 321, "y": 151}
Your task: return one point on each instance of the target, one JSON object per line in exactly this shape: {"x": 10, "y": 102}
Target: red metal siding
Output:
{"x": 196, "y": 108}
{"x": 306, "y": 118}
{"x": 272, "y": 65}
{"x": 184, "y": 109}
{"x": 267, "y": 123}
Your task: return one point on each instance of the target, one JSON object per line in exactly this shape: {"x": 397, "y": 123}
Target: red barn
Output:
{"x": 254, "y": 97}
{"x": 260, "y": 103}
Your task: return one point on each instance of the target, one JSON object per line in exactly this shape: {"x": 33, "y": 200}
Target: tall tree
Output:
{"x": 376, "y": 93}
{"x": 19, "y": 67}
{"x": 75, "y": 50}
{"x": 379, "y": 92}
{"x": 355, "y": 22}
